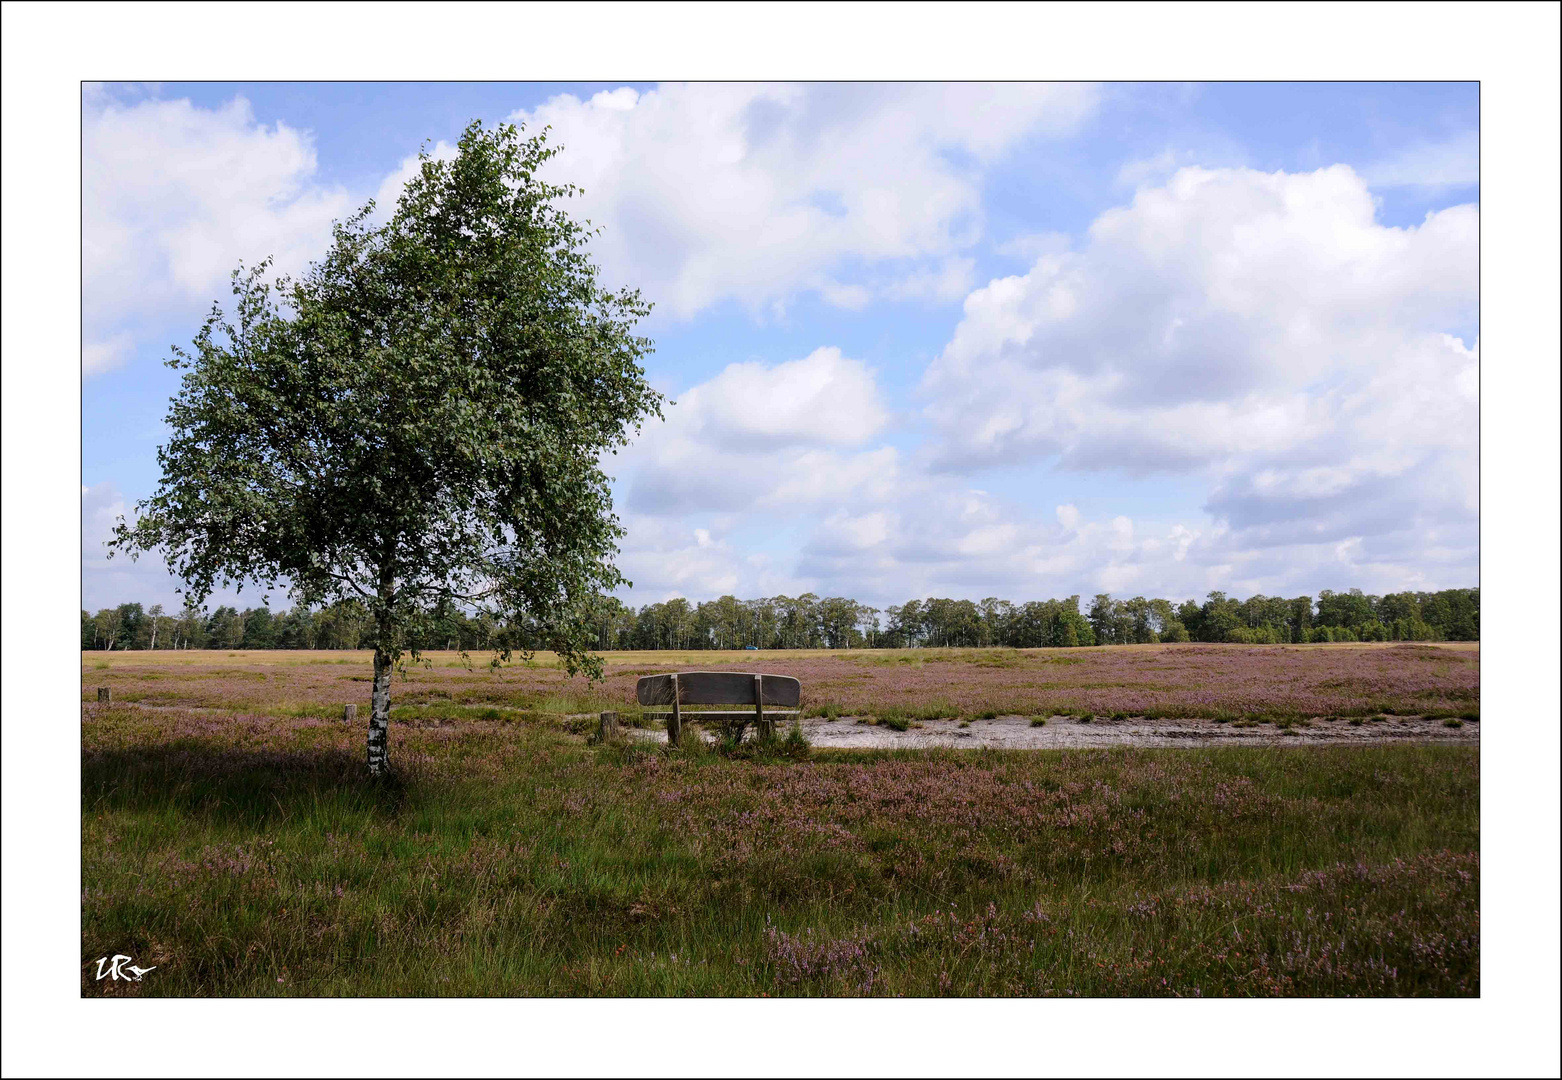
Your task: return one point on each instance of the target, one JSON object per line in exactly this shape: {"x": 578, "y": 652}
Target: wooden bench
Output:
{"x": 720, "y": 688}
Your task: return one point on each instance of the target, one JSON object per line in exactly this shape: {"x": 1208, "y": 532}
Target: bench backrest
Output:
{"x": 718, "y": 688}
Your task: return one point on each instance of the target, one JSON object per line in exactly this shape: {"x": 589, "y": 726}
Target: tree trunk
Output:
{"x": 379, "y": 714}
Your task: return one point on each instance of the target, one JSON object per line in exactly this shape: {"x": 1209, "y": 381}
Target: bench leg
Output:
{"x": 764, "y": 729}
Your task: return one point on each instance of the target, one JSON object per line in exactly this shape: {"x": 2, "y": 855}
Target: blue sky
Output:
{"x": 1022, "y": 340}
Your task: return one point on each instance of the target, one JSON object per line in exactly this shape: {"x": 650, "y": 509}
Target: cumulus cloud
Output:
{"x": 793, "y": 447}
{"x": 942, "y": 540}
{"x": 765, "y": 438}
{"x": 708, "y": 192}
{"x": 1260, "y": 332}
{"x": 755, "y": 193}
{"x": 173, "y": 196}
{"x": 664, "y": 559}
{"x": 939, "y": 537}
{"x": 1260, "y": 329}
{"x": 1356, "y": 467}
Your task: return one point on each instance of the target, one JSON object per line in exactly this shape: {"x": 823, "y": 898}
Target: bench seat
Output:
{"x": 718, "y": 714}
{"x": 760, "y": 693}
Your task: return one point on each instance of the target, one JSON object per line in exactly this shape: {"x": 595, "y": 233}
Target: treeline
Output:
{"x": 811, "y": 622}
{"x": 347, "y": 625}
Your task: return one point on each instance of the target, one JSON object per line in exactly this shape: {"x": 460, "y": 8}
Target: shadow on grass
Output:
{"x": 237, "y": 785}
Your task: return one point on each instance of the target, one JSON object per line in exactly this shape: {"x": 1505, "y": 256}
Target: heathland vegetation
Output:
{"x": 809, "y": 622}
{"x": 1281, "y": 683}
{"x": 231, "y": 837}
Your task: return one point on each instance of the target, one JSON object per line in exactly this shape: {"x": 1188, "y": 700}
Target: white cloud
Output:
{"x": 756, "y": 192}
{"x": 1258, "y": 329}
{"x": 773, "y": 438}
{"x": 1453, "y": 162}
{"x": 109, "y": 582}
{"x": 1260, "y": 332}
{"x": 936, "y": 537}
{"x": 665, "y": 559}
{"x": 856, "y": 520}
{"x": 934, "y": 541}
{"x": 106, "y": 355}
{"x": 945, "y": 283}
{"x": 101, "y": 506}
{"x": 1033, "y": 246}
{"x": 1153, "y": 170}
{"x": 174, "y": 195}
{"x": 824, "y": 398}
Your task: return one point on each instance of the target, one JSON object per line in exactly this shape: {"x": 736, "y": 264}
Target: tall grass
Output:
{"x": 248, "y": 854}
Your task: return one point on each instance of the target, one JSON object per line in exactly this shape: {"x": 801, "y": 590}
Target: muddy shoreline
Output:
{"x": 1061, "y": 732}
{"x": 1068, "y": 732}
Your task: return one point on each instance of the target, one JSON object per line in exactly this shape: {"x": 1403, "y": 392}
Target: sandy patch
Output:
{"x": 1067, "y": 732}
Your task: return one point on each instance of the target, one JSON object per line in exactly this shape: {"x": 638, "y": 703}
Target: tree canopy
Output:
{"x": 419, "y": 419}
{"x": 831, "y": 622}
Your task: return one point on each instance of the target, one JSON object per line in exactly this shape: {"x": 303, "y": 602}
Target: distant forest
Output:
{"x": 809, "y": 622}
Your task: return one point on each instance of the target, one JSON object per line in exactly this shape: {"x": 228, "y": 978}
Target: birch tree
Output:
{"x": 415, "y": 421}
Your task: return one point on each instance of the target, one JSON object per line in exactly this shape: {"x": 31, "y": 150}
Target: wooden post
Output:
{"x": 103, "y": 695}
{"x": 675, "y": 724}
{"x": 608, "y": 732}
{"x": 349, "y": 714}
{"x": 764, "y": 730}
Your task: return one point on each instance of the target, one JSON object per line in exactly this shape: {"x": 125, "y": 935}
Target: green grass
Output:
{"x": 253, "y": 857}
{"x": 901, "y": 718}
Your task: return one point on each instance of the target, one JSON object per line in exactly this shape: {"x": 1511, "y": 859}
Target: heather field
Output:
{"x": 1223, "y": 682}
{"x": 231, "y": 837}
